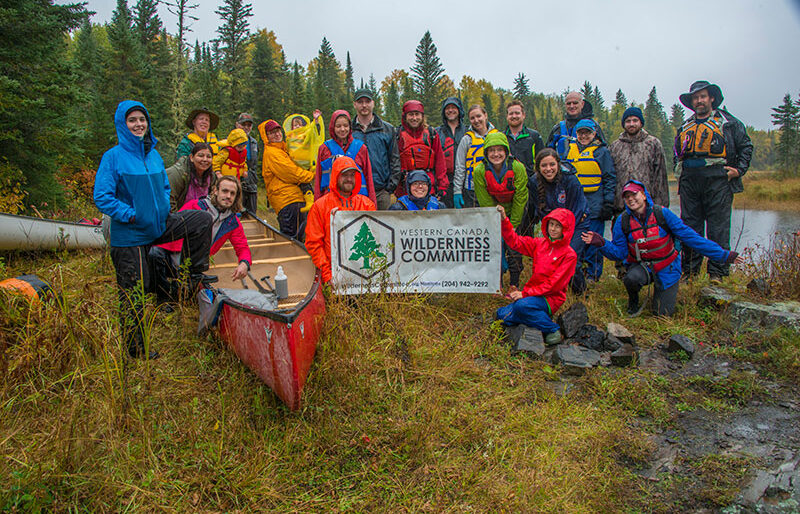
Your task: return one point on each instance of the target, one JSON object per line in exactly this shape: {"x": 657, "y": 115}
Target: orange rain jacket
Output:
{"x": 318, "y": 226}
{"x": 282, "y": 177}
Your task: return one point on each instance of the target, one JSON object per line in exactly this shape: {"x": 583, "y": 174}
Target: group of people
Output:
{"x": 573, "y": 184}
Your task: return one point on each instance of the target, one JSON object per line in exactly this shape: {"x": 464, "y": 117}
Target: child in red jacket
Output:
{"x": 553, "y": 267}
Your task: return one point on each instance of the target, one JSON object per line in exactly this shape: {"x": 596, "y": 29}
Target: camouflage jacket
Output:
{"x": 640, "y": 157}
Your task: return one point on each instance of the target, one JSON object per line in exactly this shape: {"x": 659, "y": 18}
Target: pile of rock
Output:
{"x": 584, "y": 346}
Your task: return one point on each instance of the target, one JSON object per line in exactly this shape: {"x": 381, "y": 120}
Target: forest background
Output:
{"x": 61, "y": 78}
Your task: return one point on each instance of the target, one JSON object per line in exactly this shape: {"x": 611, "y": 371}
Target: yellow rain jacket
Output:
{"x": 228, "y": 160}
{"x": 282, "y": 176}
{"x": 303, "y": 142}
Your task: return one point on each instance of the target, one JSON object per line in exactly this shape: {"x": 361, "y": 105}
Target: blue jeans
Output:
{"x": 531, "y": 311}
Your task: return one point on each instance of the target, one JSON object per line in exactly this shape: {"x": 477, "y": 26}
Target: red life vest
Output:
{"x": 646, "y": 244}
{"x": 500, "y": 188}
{"x": 416, "y": 153}
{"x": 449, "y": 148}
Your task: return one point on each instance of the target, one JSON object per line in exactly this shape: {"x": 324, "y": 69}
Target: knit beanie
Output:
{"x": 632, "y": 111}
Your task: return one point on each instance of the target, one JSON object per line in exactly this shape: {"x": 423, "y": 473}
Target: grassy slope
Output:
{"x": 764, "y": 190}
{"x": 412, "y": 405}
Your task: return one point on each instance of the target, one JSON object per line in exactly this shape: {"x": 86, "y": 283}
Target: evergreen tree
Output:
{"x": 486, "y": 99}
{"x": 37, "y": 90}
{"x": 392, "y": 108}
{"x": 588, "y": 92}
{"x": 182, "y": 9}
{"x": 233, "y": 35}
{"x": 407, "y": 85}
{"x": 656, "y": 120}
{"x": 618, "y": 108}
{"x": 147, "y": 22}
{"x": 297, "y": 97}
{"x": 349, "y": 85}
{"x": 620, "y": 99}
{"x": 787, "y": 118}
{"x": 127, "y": 65}
{"x": 676, "y": 117}
{"x": 426, "y": 72}
{"x": 267, "y": 94}
{"x": 372, "y": 85}
{"x": 521, "y": 88}
{"x": 328, "y": 84}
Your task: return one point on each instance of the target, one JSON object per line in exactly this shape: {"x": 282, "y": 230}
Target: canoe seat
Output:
{"x": 278, "y": 260}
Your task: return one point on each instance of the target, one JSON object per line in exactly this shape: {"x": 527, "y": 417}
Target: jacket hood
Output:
{"x": 567, "y": 220}
{"x": 586, "y": 113}
{"x": 496, "y": 139}
{"x": 418, "y": 176}
{"x": 127, "y": 140}
{"x": 341, "y": 163}
{"x": 646, "y": 194}
{"x": 452, "y": 100}
{"x": 287, "y": 122}
{"x": 236, "y": 137}
{"x": 334, "y": 117}
{"x": 262, "y": 129}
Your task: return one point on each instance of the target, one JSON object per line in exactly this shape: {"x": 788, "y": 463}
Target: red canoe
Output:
{"x": 278, "y": 344}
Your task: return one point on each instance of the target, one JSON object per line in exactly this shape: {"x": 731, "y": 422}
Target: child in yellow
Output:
{"x": 232, "y": 156}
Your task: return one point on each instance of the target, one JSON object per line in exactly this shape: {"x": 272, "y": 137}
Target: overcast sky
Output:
{"x": 749, "y": 48}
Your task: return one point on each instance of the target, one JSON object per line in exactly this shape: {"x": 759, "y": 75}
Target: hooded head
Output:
{"x": 418, "y": 176}
{"x": 335, "y": 116}
{"x": 127, "y": 140}
{"x": 265, "y": 127}
{"x": 340, "y": 164}
{"x": 567, "y": 221}
{"x": 453, "y": 101}
{"x": 236, "y": 137}
{"x": 646, "y": 194}
{"x": 287, "y": 122}
{"x": 495, "y": 139}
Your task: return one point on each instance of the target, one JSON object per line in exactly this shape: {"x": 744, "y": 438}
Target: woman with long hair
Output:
{"x": 191, "y": 177}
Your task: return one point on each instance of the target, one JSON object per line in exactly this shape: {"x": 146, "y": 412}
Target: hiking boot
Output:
{"x": 634, "y": 308}
{"x": 553, "y": 338}
{"x": 136, "y": 348}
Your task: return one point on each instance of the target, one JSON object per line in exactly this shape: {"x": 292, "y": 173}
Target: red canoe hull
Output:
{"x": 278, "y": 348}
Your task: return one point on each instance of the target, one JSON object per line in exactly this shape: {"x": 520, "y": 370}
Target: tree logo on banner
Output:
{"x": 365, "y": 247}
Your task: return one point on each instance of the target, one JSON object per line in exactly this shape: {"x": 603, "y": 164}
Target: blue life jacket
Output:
{"x": 336, "y": 150}
{"x": 433, "y": 203}
{"x": 565, "y": 136}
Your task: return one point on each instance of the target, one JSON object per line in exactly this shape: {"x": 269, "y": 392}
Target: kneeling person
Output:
{"x": 553, "y": 267}
{"x": 644, "y": 239}
{"x": 224, "y": 204}
{"x": 419, "y": 197}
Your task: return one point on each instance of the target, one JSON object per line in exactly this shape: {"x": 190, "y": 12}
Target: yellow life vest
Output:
{"x": 588, "y": 169}
{"x": 700, "y": 140}
{"x": 474, "y": 156}
{"x": 211, "y": 139}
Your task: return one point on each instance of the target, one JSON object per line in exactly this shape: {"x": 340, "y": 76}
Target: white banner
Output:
{"x": 445, "y": 251}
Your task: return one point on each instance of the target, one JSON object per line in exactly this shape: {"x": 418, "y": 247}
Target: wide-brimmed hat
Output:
{"x": 713, "y": 90}
{"x": 204, "y": 110}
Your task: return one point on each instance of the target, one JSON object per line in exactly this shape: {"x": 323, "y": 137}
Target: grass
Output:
{"x": 769, "y": 191}
{"x": 413, "y": 404}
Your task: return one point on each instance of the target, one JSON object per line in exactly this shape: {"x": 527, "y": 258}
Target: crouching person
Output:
{"x": 553, "y": 267}
{"x": 419, "y": 197}
{"x": 224, "y": 204}
{"x": 131, "y": 187}
{"x": 644, "y": 239}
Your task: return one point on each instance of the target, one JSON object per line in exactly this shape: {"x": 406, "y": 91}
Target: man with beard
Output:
{"x": 224, "y": 203}
{"x": 524, "y": 142}
{"x": 420, "y": 149}
{"x": 712, "y": 153}
{"x": 639, "y": 155}
{"x": 563, "y": 132}
{"x": 450, "y": 133}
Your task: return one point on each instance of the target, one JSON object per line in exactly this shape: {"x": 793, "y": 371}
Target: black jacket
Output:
{"x": 738, "y": 147}
{"x": 524, "y": 147}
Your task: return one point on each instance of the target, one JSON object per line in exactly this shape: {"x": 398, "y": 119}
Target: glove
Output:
{"x": 731, "y": 257}
{"x": 308, "y": 196}
{"x": 458, "y": 201}
{"x": 607, "y": 211}
{"x": 441, "y": 195}
{"x": 597, "y": 239}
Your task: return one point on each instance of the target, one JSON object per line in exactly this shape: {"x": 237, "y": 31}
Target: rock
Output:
{"x": 620, "y": 332}
{"x": 612, "y": 344}
{"x": 758, "y": 286}
{"x": 530, "y": 341}
{"x": 679, "y": 342}
{"x": 575, "y": 359}
{"x": 753, "y": 315}
{"x": 572, "y": 319}
{"x": 716, "y": 296}
{"x": 591, "y": 337}
{"x": 625, "y": 355}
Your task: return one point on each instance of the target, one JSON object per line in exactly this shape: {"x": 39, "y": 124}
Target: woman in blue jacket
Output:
{"x": 644, "y": 239}
{"x": 132, "y": 188}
